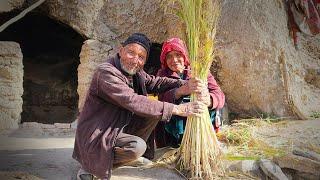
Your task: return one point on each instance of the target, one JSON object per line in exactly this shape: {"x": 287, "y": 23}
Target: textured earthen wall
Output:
{"x": 92, "y": 53}
{"x": 106, "y": 24}
{"x": 8, "y": 5}
{"x": 11, "y": 81}
{"x": 261, "y": 71}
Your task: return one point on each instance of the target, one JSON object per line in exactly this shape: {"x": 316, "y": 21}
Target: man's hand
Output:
{"x": 193, "y": 85}
{"x": 189, "y": 109}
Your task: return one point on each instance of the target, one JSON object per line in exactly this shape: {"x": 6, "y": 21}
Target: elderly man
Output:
{"x": 117, "y": 117}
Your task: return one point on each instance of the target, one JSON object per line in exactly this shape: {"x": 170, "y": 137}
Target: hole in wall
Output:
{"x": 50, "y": 59}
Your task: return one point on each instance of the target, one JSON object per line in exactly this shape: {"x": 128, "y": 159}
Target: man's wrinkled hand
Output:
{"x": 189, "y": 109}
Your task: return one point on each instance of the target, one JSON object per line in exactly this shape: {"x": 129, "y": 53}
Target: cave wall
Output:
{"x": 259, "y": 69}
{"x": 50, "y": 58}
{"x": 11, "y": 89}
{"x": 9, "y": 5}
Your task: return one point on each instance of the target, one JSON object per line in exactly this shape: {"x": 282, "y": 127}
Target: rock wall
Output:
{"x": 8, "y": 5}
{"x": 106, "y": 24}
{"x": 110, "y": 21}
{"x": 261, "y": 71}
{"x": 92, "y": 53}
{"x": 11, "y": 89}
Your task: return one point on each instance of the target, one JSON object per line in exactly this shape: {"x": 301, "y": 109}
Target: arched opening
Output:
{"x": 50, "y": 59}
{"x": 153, "y": 63}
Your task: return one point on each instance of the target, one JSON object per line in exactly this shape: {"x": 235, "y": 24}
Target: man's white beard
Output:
{"x": 130, "y": 72}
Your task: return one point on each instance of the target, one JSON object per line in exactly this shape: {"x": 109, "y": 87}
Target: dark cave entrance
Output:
{"x": 153, "y": 63}
{"x": 50, "y": 59}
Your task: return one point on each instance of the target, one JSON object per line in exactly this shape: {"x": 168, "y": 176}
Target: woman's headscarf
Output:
{"x": 173, "y": 44}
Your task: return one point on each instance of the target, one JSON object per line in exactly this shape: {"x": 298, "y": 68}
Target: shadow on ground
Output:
{"x": 44, "y": 163}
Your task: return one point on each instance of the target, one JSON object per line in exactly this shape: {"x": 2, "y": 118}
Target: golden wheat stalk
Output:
{"x": 199, "y": 156}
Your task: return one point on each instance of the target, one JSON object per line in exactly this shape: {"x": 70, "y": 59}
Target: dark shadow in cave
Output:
{"x": 50, "y": 58}
{"x": 153, "y": 63}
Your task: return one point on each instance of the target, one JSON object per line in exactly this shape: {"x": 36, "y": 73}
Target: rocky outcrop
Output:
{"x": 301, "y": 164}
{"x": 9, "y": 5}
{"x": 110, "y": 21}
{"x": 271, "y": 170}
{"x": 261, "y": 71}
{"x": 11, "y": 80}
{"x": 92, "y": 53}
{"x": 106, "y": 24}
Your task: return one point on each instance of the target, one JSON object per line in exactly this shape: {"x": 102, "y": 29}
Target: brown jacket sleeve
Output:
{"x": 112, "y": 87}
{"x": 215, "y": 92}
{"x": 157, "y": 84}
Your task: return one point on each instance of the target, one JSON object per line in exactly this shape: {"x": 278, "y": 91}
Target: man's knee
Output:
{"x": 139, "y": 148}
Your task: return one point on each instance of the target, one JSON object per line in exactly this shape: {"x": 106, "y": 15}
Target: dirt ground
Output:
{"x": 37, "y": 153}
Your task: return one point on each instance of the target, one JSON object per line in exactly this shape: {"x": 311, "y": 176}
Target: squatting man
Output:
{"x": 117, "y": 117}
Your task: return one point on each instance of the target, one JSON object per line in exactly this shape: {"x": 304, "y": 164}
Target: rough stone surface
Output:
{"x": 298, "y": 163}
{"x": 31, "y": 125}
{"x": 110, "y": 20}
{"x": 272, "y": 170}
{"x": 290, "y": 134}
{"x": 8, "y": 5}
{"x": 62, "y": 125}
{"x": 309, "y": 176}
{"x": 92, "y": 53}
{"x": 307, "y": 154}
{"x": 261, "y": 71}
{"x": 245, "y": 166}
{"x": 11, "y": 89}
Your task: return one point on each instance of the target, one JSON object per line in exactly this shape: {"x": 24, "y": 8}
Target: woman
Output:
{"x": 175, "y": 64}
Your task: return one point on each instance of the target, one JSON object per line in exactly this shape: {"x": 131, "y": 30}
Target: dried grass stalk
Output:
{"x": 199, "y": 156}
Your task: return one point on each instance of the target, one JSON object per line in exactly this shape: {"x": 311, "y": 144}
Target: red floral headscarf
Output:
{"x": 173, "y": 44}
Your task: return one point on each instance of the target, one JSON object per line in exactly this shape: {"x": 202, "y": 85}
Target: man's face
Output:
{"x": 132, "y": 58}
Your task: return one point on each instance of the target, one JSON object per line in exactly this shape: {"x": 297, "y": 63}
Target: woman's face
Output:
{"x": 175, "y": 61}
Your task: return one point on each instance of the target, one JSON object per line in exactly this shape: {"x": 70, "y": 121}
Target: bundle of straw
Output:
{"x": 199, "y": 156}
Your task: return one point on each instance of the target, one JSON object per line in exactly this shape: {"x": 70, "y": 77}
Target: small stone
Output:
{"x": 31, "y": 125}
{"x": 47, "y": 126}
{"x": 74, "y": 124}
{"x": 62, "y": 125}
{"x": 245, "y": 166}
{"x": 272, "y": 170}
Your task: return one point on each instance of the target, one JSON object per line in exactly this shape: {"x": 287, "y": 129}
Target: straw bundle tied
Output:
{"x": 199, "y": 156}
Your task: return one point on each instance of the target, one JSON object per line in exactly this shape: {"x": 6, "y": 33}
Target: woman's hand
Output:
{"x": 204, "y": 97}
{"x": 193, "y": 85}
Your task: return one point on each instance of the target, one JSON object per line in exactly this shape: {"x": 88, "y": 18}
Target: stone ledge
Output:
{"x": 299, "y": 163}
{"x": 46, "y": 126}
